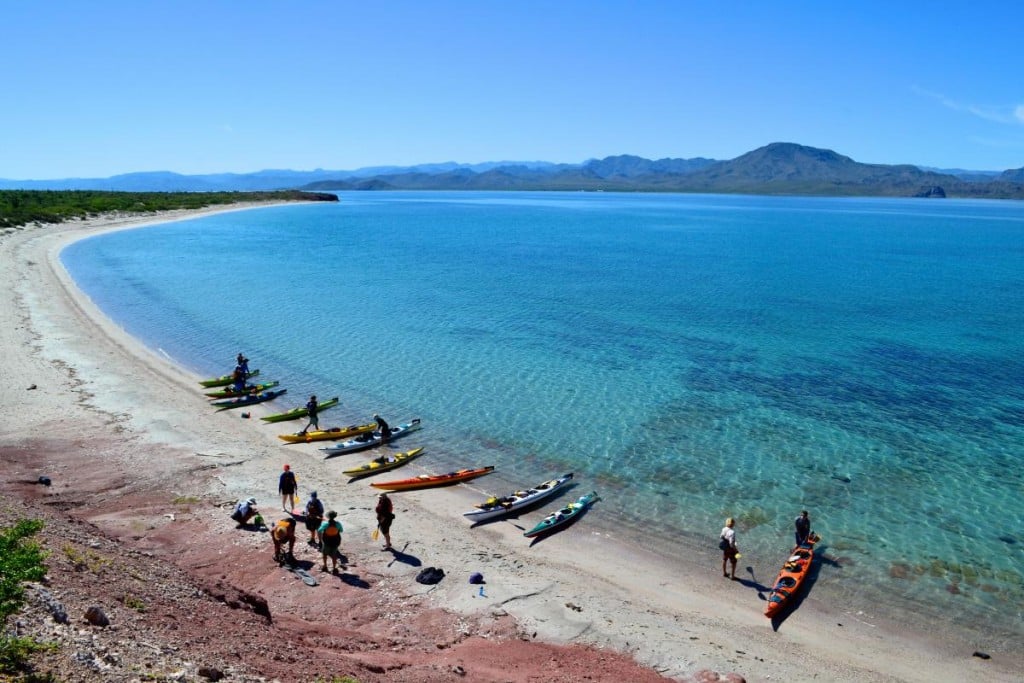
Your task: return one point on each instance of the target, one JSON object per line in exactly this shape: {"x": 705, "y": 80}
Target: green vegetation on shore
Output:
{"x": 21, "y": 560}
{"x": 20, "y": 207}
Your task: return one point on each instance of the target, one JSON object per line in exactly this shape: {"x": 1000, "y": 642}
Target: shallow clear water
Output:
{"x": 690, "y": 357}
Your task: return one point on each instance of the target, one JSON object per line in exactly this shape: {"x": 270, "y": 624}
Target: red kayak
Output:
{"x": 791, "y": 576}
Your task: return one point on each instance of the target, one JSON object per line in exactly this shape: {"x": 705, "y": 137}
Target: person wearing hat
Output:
{"x": 284, "y": 532}
{"x": 314, "y": 421}
{"x": 330, "y": 540}
{"x": 730, "y": 550}
{"x": 244, "y": 511}
{"x": 314, "y": 517}
{"x": 286, "y": 485}
{"x": 383, "y": 428}
{"x": 385, "y": 515}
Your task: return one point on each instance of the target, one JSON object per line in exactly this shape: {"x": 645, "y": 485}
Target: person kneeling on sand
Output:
{"x": 330, "y": 540}
{"x": 244, "y": 511}
{"x": 284, "y": 532}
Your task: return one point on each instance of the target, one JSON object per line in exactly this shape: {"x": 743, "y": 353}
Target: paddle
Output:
{"x": 376, "y": 533}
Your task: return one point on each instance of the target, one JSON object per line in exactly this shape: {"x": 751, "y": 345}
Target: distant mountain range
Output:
{"x": 777, "y": 169}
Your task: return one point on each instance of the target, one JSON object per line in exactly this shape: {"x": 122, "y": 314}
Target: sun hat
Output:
{"x": 287, "y": 467}
{"x": 251, "y": 501}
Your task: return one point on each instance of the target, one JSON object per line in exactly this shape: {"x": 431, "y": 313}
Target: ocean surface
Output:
{"x": 690, "y": 357}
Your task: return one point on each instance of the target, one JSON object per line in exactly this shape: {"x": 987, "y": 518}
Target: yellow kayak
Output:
{"x": 334, "y": 433}
{"x": 383, "y": 463}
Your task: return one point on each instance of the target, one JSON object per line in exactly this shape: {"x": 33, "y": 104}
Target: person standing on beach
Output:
{"x": 730, "y": 551}
{"x": 385, "y": 515}
{"x": 312, "y": 406}
{"x": 382, "y": 426}
{"x": 803, "y": 528}
{"x": 242, "y": 364}
{"x": 314, "y": 517}
{"x": 330, "y": 540}
{"x": 286, "y": 485}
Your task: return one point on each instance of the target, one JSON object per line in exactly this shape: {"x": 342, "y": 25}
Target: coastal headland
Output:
{"x": 143, "y": 477}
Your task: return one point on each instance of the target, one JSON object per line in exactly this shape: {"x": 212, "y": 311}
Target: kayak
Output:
{"x": 517, "y": 500}
{"x": 296, "y": 413}
{"x": 328, "y": 434}
{"x": 249, "y": 388}
{"x": 428, "y": 480}
{"x": 248, "y": 400}
{"x": 562, "y": 516}
{"x": 225, "y": 380}
{"x": 370, "y": 439}
{"x": 384, "y": 463}
{"x": 791, "y": 576}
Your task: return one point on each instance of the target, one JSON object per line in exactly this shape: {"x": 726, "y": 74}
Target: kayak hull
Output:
{"x": 384, "y": 463}
{"x": 296, "y": 413}
{"x": 332, "y": 434}
{"x": 562, "y": 516}
{"x": 225, "y": 380}
{"x": 241, "y": 402}
{"x": 249, "y": 388}
{"x": 518, "y": 501}
{"x": 425, "y": 481}
{"x": 791, "y": 577}
{"x": 370, "y": 440}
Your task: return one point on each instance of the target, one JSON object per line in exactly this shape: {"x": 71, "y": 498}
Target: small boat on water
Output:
{"x": 248, "y": 399}
{"x": 517, "y": 500}
{"x": 430, "y": 480}
{"x": 249, "y": 388}
{"x": 370, "y": 439}
{"x": 296, "y": 413}
{"x": 562, "y": 516}
{"x": 331, "y": 434}
{"x": 791, "y": 576}
{"x": 225, "y": 380}
{"x": 383, "y": 463}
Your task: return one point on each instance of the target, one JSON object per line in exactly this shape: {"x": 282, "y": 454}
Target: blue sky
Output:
{"x": 92, "y": 89}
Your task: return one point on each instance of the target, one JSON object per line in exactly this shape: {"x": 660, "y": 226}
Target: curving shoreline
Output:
{"x": 674, "y": 617}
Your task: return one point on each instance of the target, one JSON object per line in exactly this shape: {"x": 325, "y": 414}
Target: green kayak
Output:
{"x": 225, "y": 380}
{"x": 249, "y": 389}
{"x": 296, "y": 413}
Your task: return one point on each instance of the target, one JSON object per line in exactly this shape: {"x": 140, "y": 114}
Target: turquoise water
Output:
{"x": 690, "y": 357}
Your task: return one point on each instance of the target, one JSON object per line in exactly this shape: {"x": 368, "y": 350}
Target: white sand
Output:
{"x": 577, "y": 586}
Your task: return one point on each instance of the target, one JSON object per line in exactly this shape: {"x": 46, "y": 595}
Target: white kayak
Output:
{"x": 364, "y": 441}
{"x": 517, "y": 500}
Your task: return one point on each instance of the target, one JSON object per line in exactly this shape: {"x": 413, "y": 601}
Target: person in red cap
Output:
{"x": 286, "y": 487}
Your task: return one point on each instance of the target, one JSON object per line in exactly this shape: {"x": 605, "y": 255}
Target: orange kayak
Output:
{"x": 790, "y": 577}
{"x": 427, "y": 480}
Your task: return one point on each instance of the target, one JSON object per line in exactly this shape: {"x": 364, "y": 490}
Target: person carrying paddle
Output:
{"x": 730, "y": 550}
{"x": 314, "y": 517}
{"x": 330, "y": 540}
{"x": 385, "y": 515}
{"x": 803, "y": 528}
{"x": 284, "y": 532}
{"x": 314, "y": 421}
{"x": 286, "y": 485}
{"x": 382, "y": 426}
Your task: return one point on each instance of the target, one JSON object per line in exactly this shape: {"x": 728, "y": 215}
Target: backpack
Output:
{"x": 288, "y": 480}
{"x": 332, "y": 534}
{"x": 314, "y": 508}
{"x": 430, "y": 575}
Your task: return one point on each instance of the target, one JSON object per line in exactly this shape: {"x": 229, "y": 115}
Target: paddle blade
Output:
{"x": 376, "y": 533}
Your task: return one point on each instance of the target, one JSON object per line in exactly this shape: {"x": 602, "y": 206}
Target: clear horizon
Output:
{"x": 199, "y": 88}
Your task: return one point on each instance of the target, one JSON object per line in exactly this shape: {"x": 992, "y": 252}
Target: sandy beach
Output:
{"x": 597, "y": 606}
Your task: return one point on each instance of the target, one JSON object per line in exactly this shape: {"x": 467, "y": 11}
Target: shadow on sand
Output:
{"x": 404, "y": 557}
